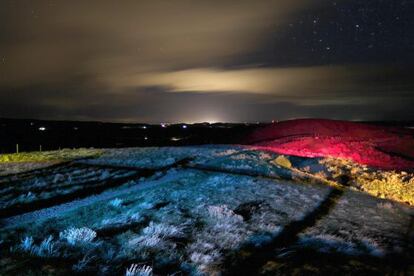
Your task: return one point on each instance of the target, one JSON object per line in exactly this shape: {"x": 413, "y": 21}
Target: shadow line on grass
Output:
{"x": 249, "y": 259}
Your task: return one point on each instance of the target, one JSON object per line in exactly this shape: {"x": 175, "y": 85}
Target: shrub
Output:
{"x": 82, "y": 264}
{"x": 78, "y": 235}
{"x": 155, "y": 234}
{"x": 45, "y": 249}
{"x": 162, "y": 230}
{"x": 26, "y": 244}
{"x": 136, "y": 270}
{"x": 116, "y": 202}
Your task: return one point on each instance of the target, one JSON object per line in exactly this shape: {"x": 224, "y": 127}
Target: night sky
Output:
{"x": 194, "y": 61}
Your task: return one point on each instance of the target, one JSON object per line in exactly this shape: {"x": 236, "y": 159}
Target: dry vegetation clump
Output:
{"x": 391, "y": 185}
{"x": 282, "y": 161}
{"x": 136, "y": 270}
{"x": 398, "y": 186}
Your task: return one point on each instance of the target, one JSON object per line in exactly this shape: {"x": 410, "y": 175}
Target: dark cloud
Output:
{"x": 205, "y": 60}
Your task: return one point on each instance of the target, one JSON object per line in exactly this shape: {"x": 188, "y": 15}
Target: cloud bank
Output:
{"x": 177, "y": 61}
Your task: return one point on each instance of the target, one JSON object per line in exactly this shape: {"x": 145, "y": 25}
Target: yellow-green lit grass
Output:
{"x": 397, "y": 186}
{"x": 49, "y": 156}
{"x": 282, "y": 161}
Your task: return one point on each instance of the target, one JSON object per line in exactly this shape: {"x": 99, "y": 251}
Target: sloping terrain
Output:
{"x": 205, "y": 210}
{"x": 381, "y": 147}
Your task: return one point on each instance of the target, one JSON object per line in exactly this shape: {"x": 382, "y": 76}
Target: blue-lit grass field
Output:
{"x": 202, "y": 210}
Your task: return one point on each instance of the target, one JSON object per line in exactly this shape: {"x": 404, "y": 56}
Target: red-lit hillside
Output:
{"x": 376, "y": 146}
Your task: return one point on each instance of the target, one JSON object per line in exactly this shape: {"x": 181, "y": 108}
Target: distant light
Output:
{"x": 184, "y": 126}
{"x": 163, "y": 125}
{"x": 42, "y": 128}
{"x": 175, "y": 139}
{"x": 75, "y": 128}
{"x": 145, "y": 138}
{"x": 144, "y": 127}
{"x": 31, "y": 123}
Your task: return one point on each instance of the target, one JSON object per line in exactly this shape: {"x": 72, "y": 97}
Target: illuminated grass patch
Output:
{"x": 48, "y": 156}
{"x": 398, "y": 186}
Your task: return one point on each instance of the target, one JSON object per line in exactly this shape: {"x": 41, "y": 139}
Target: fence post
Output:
{"x": 17, "y": 148}
{"x": 40, "y": 148}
